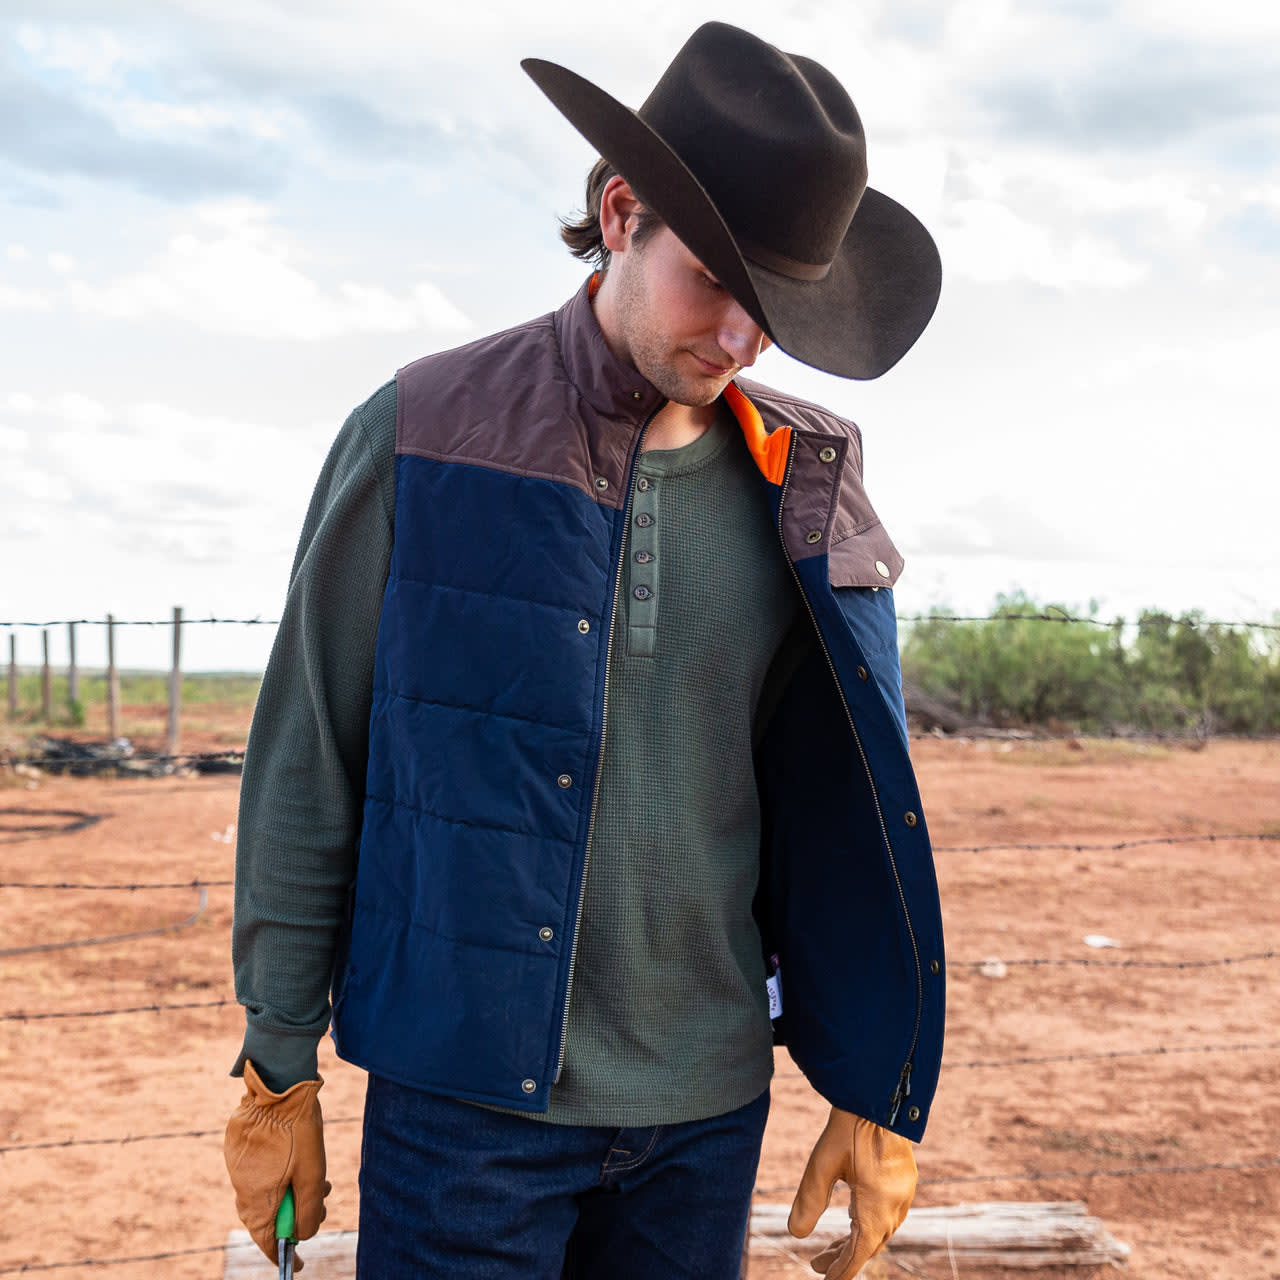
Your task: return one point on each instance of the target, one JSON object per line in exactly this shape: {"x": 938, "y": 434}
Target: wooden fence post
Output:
{"x": 13, "y": 675}
{"x": 113, "y": 682}
{"x": 73, "y": 672}
{"x": 175, "y": 683}
{"x": 46, "y": 678}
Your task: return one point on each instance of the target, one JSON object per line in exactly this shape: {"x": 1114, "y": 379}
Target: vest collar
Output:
{"x": 609, "y": 386}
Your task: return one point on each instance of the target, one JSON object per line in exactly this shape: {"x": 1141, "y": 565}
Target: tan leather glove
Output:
{"x": 273, "y": 1141}
{"x": 880, "y": 1168}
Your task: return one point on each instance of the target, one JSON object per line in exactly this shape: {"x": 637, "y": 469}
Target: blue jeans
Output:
{"x": 450, "y": 1189}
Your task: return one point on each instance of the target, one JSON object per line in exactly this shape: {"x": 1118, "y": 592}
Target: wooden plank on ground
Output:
{"x": 1024, "y": 1235}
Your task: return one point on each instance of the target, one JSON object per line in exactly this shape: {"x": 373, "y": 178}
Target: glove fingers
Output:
{"x": 309, "y": 1207}
{"x": 824, "y": 1169}
{"x": 829, "y": 1258}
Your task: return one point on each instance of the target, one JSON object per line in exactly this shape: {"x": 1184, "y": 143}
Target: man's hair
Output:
{"x": 583, "y": 235}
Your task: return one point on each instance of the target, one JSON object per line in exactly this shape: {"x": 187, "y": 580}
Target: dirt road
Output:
{"x": 1117, "y": 1081}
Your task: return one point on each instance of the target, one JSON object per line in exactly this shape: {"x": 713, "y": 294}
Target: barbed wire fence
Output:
{"x": 29, "y": 824}
{"x": 21, "y": 824}
{"x": 933, "y": 707}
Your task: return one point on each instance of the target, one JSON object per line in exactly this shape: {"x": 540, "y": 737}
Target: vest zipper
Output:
{"x": 604, "y": 722}
{"x": 903, "y": 1086}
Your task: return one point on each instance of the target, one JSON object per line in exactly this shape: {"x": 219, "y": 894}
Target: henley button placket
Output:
{"x": 642, "y": 583}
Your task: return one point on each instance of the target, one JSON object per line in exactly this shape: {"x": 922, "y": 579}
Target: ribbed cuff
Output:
{"x": 282, "y": 1059}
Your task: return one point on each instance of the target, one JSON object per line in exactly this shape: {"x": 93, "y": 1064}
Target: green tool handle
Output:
{"x": 286, "y": 1227}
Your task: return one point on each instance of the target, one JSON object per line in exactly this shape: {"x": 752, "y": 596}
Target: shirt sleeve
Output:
{"x": 302, "y": 792}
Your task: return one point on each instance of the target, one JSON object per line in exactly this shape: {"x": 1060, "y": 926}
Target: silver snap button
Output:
{"x": 862, "y": 673}
{"x": 934, "y": 967}
{"x": 882, "y": 569}
{"x": 913, "y": 1113}
{"x": 827, "y": 455}
{"x": 814, "y": 535}
{"x": 546, "y": 933}
{"x": 910, "y": 818}
{"x": 584, "y": 626}
{"x": 637, "y": 395}
{"x": 601, "y": 482}
{"x": 643, "y": 485}
{"x": 564, "y": 781}
{"x": 529, "y": 1086}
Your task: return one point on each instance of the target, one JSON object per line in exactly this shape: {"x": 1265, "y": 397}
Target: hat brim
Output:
{"x": 858, "y": 321}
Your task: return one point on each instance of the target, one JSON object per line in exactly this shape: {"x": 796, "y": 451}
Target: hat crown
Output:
{"x": 774, "y": 140}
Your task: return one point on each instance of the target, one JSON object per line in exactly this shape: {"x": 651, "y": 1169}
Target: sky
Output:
{"x": 224, "y": 225}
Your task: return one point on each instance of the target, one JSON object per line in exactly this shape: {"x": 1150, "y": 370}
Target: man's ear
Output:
{"x": 618, "y": 206}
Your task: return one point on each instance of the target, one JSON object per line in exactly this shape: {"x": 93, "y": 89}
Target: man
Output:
{"x": 582, "y": 752}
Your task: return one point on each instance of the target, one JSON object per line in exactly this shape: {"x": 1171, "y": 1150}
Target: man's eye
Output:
{"x": 711, "y": 282}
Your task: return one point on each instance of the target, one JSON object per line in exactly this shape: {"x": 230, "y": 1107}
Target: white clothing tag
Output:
{"x": 774, "y": 987}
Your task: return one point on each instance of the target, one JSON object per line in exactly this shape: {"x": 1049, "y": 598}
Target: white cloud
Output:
{"x": 239, "y": 276}
{"x": 17, "y": 253}
{"x": 987, "y": 241}
{"x": 94, "y": 56}
{"x": 12, "y": 299}
{"x": 63, "y": 263}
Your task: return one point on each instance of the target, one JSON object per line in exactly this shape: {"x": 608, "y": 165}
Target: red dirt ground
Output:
{"x": 1105, "y": 1130}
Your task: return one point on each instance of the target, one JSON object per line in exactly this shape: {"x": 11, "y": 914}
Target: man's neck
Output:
{"x": 676, "y": 425}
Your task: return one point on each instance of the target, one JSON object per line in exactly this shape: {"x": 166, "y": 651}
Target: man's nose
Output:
{"x": 740, "y": 336}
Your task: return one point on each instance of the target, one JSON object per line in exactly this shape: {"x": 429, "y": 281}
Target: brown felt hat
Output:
{"x": 756, "y": 159}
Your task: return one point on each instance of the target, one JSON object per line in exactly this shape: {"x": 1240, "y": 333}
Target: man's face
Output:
{"x": 676, "y": 323}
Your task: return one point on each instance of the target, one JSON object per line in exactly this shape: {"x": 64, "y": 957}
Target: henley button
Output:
{"x": 584, "y": 626}
{"x": 643, "y": 485}
{"x": 882, "y": 569}
{"x": 814, "y": 535}
{"x": 642, "y": 593}
{"x": 546, "y": 933}
{"x": 529, "y": 1086}
{"x": 827, "y": 455}
{"x": 644, "y": 520}
{"x": 564, "y": 781}
{"x": 643, "y": 557}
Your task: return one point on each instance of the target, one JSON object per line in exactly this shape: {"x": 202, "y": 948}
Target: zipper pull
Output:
{"x": 901, "y": 1092}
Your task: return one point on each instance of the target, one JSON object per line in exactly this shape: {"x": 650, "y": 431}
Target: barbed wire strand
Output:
{"x": 108, "y": 888}
{"x": 148, "y": 1257}
{"x": 1068, "y": 847}
{"x": 155, "y": 622}
{"x": 132, "y": 1139}
{"x": 20, "y": 1016}
{"x": 104, "y": 940}
{"x": 1086, "y": 962}
{"x": 1158, "y": 1051}
{"x": 1049, "y": 1175}
{"x": 1060, "y": 616}
{"x": 1080, "y": 847}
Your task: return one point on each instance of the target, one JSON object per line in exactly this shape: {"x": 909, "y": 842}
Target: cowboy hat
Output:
{"x": 756, "y": 159}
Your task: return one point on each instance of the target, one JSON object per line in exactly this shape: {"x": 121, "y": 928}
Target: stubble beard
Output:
{"x": 652, "y": 354}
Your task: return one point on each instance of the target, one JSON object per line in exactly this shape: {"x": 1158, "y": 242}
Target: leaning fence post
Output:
{"x": 73, "y": 672}
{"x": 46, "y": 678}
{"x": 13, "y": 676}
{"x": 175, "y": 682}
{"x": 113, "y": 682}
